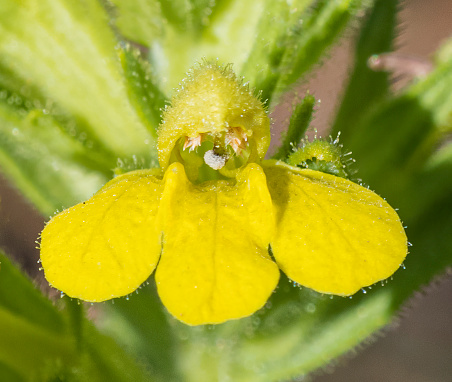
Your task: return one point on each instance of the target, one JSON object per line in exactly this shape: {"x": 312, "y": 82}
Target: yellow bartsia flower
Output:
{"x": 207, "y": 218}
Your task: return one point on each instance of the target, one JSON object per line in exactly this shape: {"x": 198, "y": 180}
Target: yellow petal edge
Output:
{"x": 107, "y": 246}
{"x": 333, "y": 235}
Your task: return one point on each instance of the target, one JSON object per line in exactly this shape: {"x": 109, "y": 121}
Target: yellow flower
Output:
{"x": 207, "y": 218}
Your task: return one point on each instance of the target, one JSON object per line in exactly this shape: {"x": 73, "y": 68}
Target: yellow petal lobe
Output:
{"x": 215, "y": 264}
{"x": 333, "y": 235}
{"x": 107, "y": 246}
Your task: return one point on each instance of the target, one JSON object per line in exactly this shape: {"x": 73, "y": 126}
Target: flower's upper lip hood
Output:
{"x": 211, "y": 101}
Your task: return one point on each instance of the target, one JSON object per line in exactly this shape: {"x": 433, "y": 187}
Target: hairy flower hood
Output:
{"x": 211, "y": 101}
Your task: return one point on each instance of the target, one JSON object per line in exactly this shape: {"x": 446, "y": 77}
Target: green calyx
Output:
{"x": 322, "y": 155}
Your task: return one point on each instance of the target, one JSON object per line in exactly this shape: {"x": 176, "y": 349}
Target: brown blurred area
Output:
{"x": 420, "y": 348}
{"x": 20, "y": 225}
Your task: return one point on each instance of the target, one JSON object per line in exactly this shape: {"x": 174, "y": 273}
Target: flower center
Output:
{"x": 210, "y": 156}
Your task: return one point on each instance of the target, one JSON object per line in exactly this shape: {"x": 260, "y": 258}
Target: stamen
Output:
{"x": 237, "y": 139}
{"x": 193, "y": 142}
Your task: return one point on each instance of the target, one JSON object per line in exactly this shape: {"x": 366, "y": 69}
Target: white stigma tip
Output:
{"x": 214, "y": 160}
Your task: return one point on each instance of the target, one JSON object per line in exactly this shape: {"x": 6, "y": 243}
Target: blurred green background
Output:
{"x": 419, "y": 349}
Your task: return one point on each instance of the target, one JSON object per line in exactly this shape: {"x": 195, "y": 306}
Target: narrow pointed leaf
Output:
{"x": 45, "y": 163}
{"x": 299, "y": 122}
{"x": 366, "y": 87}
{"x": 321, "y": 26}
{"x": 143, "y": 88}
{"x": 273, "y": 38}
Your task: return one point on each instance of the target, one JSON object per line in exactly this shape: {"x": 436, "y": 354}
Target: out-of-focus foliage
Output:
{"x": 40, "y": 342}
{"x": 78, "y": 101}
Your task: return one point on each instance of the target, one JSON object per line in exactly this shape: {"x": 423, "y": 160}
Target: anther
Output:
{"x": 237, "y": 139}
{"x": 193, "y": 142}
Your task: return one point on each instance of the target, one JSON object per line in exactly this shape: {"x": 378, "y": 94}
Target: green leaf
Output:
{"x": 444, "y": 54}
{"x": 429, "y": 185}
{"x": 273, "y": 37}
{"x": 32, "y": 331}
{"x": 104, "y": 360}
{"x": 321, "y": 27}
{"x": 299, "y": 122}
{"x": 59, "y": 144}
{"x": 410, "y": 125}
{"x": 434, "y": 93}
{"x": 45, "y": 163}
{"x": 431, "y": 253}
{"x": 177, "y": 13}
{"x": 143, "y": 21}
{"x": 367, "y": 87}
{"x": 141, "y": 326}
{"x": 9, "y": 374}
{"x": 38, "y": 341}
{"x": 189, "y": 16}
{"x": 67, "y": 50}
{"x": 19, "y": 94}
{"x": 139, "y": 20}
{"x": 264, "y": 39}
{"x": 20, "y": 298}
{"x": 291, "y": 39}
{"x": 227, "y": 36}
{"x": 144, "y": 92}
